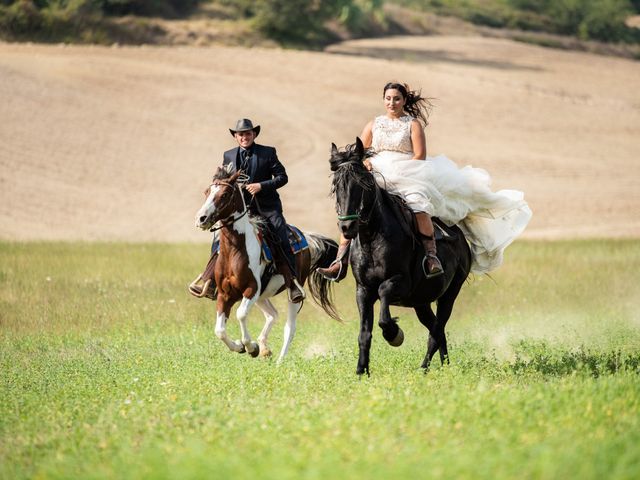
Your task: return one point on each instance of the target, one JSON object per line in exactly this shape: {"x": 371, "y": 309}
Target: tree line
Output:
{"x": 308, "y": 23}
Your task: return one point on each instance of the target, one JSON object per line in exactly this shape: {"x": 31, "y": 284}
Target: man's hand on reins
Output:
{"x": 253, "y": 188}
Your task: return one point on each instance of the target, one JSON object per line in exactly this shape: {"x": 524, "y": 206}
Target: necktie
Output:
{"x": 246, "y": 155}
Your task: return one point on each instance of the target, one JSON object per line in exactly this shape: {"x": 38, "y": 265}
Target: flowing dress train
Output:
{"x": 462, "y": 196}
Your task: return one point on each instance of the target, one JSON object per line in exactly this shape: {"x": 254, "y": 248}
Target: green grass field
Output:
{"x": 109, "y": 369}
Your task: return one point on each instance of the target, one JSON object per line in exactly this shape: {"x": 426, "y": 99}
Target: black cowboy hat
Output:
{"x": 244, "y": 125}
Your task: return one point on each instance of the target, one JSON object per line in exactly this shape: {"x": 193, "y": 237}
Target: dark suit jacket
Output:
{"x": 265, "y": 169}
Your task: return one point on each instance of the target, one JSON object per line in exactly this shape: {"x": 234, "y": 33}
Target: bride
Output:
{"x": 436, "y": 187}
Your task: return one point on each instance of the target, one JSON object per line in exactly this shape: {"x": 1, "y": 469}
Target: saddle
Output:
{"x": 297, "y": 243}
{"x": 442, "y": 231}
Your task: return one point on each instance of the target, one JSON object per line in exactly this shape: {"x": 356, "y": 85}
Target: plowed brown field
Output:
{"x": 101, "y": 143}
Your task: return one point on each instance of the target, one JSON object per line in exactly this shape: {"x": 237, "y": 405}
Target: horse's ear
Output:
{"x": 359, "y": 147}
{"x": 334, "y": 149}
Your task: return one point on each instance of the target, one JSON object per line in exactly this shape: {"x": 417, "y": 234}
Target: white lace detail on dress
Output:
{"x": 393, "y": 135}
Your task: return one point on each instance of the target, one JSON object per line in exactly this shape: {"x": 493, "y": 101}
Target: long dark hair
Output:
{"x": 415, "y": 104}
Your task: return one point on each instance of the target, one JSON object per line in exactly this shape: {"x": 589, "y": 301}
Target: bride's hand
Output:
{"x": 367, "y": 164}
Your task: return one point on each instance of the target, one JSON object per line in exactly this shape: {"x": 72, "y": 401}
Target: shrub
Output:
{"x": 71, "y": 20}
{"x": 164, "y": 8}
{"x": 593, "y": 19}
{"x": 23, "y": 16}
{"x": 538, "y": 6}
{"x": 605, "y": 20}
{"x": 362, "y": 16}
{"x": 294, "y": 21}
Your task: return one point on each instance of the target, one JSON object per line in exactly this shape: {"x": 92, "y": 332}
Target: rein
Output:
{"x": 357, "y": 215}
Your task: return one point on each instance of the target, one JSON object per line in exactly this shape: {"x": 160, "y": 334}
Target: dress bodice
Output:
{"x": 391, "y": 134}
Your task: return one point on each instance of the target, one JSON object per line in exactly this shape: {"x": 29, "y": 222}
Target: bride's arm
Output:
{"x": 418, "y": 141}
{"x": 367, "y": 137}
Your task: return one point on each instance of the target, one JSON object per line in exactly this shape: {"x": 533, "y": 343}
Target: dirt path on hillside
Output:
{"x": 118, "y": 143}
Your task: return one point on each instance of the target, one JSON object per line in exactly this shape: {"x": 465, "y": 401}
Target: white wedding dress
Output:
{"x": 461, "y": 196}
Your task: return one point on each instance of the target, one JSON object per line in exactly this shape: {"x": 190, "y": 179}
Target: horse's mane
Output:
{"x": 351, "y": 152}
{"x": 347, "y": 166}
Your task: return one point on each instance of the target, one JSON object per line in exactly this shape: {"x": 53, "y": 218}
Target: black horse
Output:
{"x": 387, "y": 258}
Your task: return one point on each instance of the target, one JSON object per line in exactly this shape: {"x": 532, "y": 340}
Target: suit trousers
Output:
{"x": 278, "y": 227}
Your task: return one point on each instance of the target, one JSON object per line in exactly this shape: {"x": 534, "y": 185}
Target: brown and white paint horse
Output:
{"x": 240, "y": 267}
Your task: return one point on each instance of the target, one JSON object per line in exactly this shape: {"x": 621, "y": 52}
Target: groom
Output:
{"x": 266, "y": 175}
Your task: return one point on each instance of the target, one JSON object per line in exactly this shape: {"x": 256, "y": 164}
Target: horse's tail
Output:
{"x": 323, "y": 251}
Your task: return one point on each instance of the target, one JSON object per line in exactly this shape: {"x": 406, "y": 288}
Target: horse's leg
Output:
{"x": 365, "y": 301}
{"x": 391, "y": 332}
{"x": 445, "y": 307}
{"x": 443, "y": 312}
{"x": 428, "y": 319}
{"x": 270, "y": 317}
{"x": 289, "y": 329}
{"x": 221, "y": 327}
{"x": 242, "y": 314}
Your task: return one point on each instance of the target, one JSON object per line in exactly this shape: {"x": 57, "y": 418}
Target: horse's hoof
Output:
{"x": 396, "y": 342}
{"x": 240, "y": 347}
{"x": 265, "y": 352}
{"x": 255, "y": 350}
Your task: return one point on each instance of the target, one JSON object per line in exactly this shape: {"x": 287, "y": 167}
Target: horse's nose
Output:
{"x": 348, "y": 228}
{"x": 203, "y": 218}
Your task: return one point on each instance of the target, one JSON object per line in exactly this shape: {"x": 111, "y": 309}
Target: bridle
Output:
{"x": 358, "y": 214}
{"x": 231, "y": 219}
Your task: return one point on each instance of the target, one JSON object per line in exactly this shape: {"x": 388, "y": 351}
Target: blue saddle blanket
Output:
{"x": 297, "y": 242}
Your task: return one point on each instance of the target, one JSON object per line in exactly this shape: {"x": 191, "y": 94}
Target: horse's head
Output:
{"x": 222, "y": 199}
{"x": 353, "y": 185}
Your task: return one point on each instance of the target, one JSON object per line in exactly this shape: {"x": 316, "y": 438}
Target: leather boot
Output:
{"x": 427, "y": 237}
{"x": 204, "y": 285}
{"x": 434, "y": 267}
{"x": 295, "y": 291}
{"x": 339, "y": 267}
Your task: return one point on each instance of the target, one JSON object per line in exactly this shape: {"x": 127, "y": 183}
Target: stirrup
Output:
{"x": 425, "y": 270}
{"x": 339, "y": 276}
{"x": 300, "y": 289}
{"x": 200, "y": 291}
